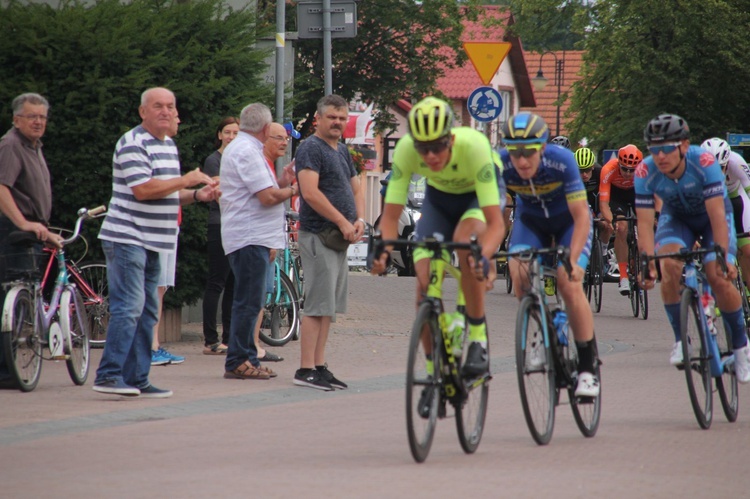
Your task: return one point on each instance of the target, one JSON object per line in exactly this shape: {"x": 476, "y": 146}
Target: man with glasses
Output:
{"x": 551, "y": 208}
{"x": 463, "y": 198}
{"x": 689, "y": 181}
{"x": 616, "y": 195}
{"x": 25, "y": 190}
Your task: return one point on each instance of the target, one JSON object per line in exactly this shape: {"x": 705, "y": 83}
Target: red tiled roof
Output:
{"x": 572, "y": 61}
{"x": 458, "y": 83}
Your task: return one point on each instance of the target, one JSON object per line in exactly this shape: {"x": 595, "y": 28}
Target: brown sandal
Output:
{"x": 267, "y": 371}
{"x": 246, "y": 371}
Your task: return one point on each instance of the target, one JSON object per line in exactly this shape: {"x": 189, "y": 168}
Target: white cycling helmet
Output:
{"x": 718, "y": 148}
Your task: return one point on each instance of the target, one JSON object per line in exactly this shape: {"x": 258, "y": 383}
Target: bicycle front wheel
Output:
{"x": 92, "y": 283}
{"x": 597, "y": 270}
{"x": 586, "y": 410}
{"x": 281, "y": 314}
{"x": 74, "y": 324}
{"x": 726, "y": 384}
{"x": 423, "y": 370}
{"x": 695, "y": 354}
{"x": 644, "y": 302}
{"x": 21, "y": 343}
{"x": 472, "y": 411}
{"x": 536, "y": 372}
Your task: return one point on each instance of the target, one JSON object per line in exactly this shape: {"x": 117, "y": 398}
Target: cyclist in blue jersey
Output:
{"x": 551, "y": 207}
{"x": 690, "y": 183}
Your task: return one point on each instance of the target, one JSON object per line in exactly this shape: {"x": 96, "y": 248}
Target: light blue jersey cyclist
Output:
{"x": 690, "y": 183}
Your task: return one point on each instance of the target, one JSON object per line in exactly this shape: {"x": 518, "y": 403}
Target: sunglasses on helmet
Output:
{"x": 434, "y": 147}
{"x": 666, "y": 148}
{"x": 626, "y": 169}
{"x": 526, "y": 151}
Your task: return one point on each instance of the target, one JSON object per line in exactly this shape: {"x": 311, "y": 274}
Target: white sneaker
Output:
{"x": 624, "y": 286}
{"x": 587, "y": 386}
{"x": 536, "y": 356}
{"x": 675, "y": 358}
{"x": 742, "y": 364}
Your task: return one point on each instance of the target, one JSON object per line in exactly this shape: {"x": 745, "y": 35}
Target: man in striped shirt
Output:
{"x": 147, "y": 190}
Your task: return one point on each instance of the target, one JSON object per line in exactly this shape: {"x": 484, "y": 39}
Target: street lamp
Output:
{"x": 539, "y": 82}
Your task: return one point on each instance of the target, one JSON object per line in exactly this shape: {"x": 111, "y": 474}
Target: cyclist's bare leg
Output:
{"x": 579, "y": 312}
{"x": 519, "y": 274}
{"x": 671, "y": 275}
{"x": 743, "y": 258}
{"x": 422, "y": 270}
{"x": 727, "y": 296}
{"x": 621, "y": 243}
{"x": 473, "y": 288}
{"x": 155, "y": 341}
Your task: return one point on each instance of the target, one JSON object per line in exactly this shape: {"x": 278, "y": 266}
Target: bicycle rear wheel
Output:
{"x": 74, "y": 323}
{"x": 21, "y": 343}
{"x": 597, "y": 267}
{"x": 536, "y": 375}
{"x": 696, "y": 354}
{"x": 95, "y": 291}
{"x": 508, "y": 280}
{"x": 586, "y": 410}
{"x": 726, "y": 384}
{"x": 643, "y": 296}
{"x": 472, "y": 411}
{"x": 423, "y": 384}
{"x": 281, "y": 314}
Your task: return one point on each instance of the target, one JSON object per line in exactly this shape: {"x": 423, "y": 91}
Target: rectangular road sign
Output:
{"x": 738, "y": 139}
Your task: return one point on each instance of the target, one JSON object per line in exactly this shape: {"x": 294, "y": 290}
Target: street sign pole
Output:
{"x": 327, "y": 65}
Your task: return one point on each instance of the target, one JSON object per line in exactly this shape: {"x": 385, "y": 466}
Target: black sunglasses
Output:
{"x": 434, "y": 147}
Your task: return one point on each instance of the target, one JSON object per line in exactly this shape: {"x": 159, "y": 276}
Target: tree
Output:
{"x": 92, "y": 62}
{"x": 687, "y": 57}
{"x": 401, "y": 49}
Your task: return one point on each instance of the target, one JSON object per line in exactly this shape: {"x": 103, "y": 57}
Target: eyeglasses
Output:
{"x": 34, "y": 117}
{"x": 527, "y": 151}
{"x": 434, "y": 147}
{"x": 667, "y": 148}
{"x": 625, "y": 169}
{"x": 281, "y": 138}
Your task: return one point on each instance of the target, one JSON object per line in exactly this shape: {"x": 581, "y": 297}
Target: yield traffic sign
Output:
{"x": 486, "y": 57}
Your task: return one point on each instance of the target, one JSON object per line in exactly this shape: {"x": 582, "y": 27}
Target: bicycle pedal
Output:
{"x": 585, "y": 400}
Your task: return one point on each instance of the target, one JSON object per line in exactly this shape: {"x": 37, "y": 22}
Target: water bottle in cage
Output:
{"x": 560, "y": 321}
{"x": 708, "y": 304}
{"x": 455, "y": 323}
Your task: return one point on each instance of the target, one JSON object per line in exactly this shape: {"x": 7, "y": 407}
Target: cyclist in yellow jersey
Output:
{"x": 464, "y": 197}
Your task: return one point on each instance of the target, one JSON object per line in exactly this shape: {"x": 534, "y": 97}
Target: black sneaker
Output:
{"x": 151, "y": 392}
{"x": 116, "y": 387}
{"x": 311, "y": 378}
{"x": 477, "y": 362}
{"x": 330, "y": 378}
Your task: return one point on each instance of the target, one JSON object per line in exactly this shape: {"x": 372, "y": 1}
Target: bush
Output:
{"x": 92, "y": 62}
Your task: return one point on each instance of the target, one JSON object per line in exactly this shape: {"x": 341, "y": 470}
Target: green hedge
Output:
{"x": 92, "y": 62}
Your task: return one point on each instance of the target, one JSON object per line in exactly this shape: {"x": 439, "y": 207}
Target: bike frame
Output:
{"x": 697, "y": 282}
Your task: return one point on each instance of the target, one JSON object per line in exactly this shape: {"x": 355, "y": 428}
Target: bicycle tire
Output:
{"x": 695, "y": 356}
{"x": 726, "y": 384}
{"x": 21, "y": 342}
{"x": 298, "y": 278}
{"x": 538, "y": 397}
{"x": 586, "y": 410}
{"x": 74, "y": 324}
{"x": 94, "y": 276}
{"x": 281, "y": 314}
{"x": 598, "y": 267}
{"x": 644, "y": 303}
{"x": 421, "y": 385}
{"x": 472, "y": 410}
{"x": 508, "y": 280}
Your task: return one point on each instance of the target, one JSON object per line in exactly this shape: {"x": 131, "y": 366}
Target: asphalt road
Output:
{"x": 232, "y": 438}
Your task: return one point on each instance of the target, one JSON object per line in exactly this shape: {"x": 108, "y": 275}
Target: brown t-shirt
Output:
{"x": 24, "y": 171}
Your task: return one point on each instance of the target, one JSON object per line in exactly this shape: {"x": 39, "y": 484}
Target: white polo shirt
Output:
{"x": 244, "y": 219}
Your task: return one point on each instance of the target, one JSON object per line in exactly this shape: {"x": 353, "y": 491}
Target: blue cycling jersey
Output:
{"x": 701, "y": 180}
{"x": 547, "y": 193}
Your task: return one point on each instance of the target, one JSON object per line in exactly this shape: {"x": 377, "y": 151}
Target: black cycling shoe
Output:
{"x": 477, "y": 361}
{"x": 425, "y": 402}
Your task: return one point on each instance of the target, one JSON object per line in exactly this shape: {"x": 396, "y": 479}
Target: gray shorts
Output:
{"x": 326, "y": 277}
